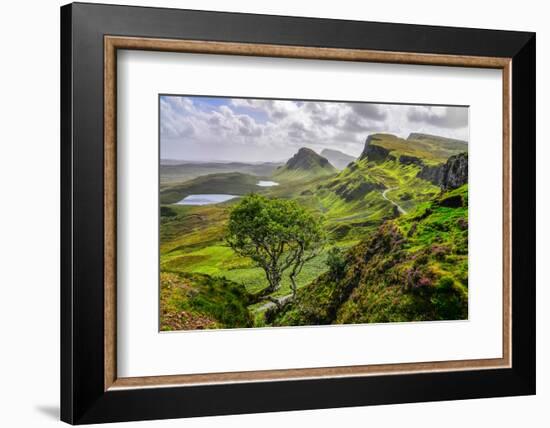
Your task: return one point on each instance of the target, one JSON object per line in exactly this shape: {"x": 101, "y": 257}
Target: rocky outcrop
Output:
{"x": 432, "y": 174}
{"x": 455, "y": 172}
{"x": 410, "y": 160}
{"x": 374, "y": 152}
{"x": 450, "y": 175}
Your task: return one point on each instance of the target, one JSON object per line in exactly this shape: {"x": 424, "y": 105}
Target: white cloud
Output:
{"x": 253, "y": 129}
{"x": 444, "y": 117}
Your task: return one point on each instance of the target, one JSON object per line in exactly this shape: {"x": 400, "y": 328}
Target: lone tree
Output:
{"x": 277, "y": 234}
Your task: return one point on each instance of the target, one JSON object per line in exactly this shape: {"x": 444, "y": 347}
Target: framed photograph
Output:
{"x": 266, "y": 213}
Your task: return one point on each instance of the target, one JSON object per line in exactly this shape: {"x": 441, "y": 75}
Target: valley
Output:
{"x": 395, "y": 220}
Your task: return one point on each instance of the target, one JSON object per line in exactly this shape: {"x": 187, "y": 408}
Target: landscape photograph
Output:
{"x": 285, "y": 213}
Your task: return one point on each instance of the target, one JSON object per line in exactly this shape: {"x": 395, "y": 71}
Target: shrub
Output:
{"x": 445, "y": 283}
{"x": 167, "y": 212}
{"x": 336, "y": 262}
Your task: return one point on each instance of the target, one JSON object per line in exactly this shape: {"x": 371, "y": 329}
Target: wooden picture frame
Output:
{"x": 91, "y": 390}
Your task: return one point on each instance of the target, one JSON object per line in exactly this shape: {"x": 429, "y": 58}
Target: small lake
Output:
{"x": 265, "y": 183}
{"x": 205, "y": 199}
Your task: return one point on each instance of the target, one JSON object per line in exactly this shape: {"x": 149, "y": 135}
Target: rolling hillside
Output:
{"x": 234, "y": 183}
{"x": 413, "y": 268}
{"x": 397, "y": 215}
{"x": 173, "y": 172}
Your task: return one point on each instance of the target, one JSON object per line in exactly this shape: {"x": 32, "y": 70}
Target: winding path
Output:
{"x": 399, "y": 208}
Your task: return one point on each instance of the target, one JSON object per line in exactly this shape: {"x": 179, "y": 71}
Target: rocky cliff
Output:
{"x": 450, "y": 175}
{"x": 374, "y": 152}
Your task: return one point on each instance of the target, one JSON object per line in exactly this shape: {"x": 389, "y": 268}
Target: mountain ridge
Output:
{"x": 337, "y": 158}
{"x": 429, "y": 149}
{"x": 425, "y": 136}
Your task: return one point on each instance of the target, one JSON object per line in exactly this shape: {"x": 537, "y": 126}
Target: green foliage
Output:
{"x": 276, "y": 234}
{"x": 413, "y": 268}
{"x": 336, "y": 262}
{"x": 193, "y": 301}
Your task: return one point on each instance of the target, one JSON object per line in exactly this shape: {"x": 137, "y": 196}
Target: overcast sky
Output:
{"x": 238, "y": 129}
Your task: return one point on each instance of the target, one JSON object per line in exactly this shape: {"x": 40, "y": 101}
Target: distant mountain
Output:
{"x": 337, "y": 158}
{"x": 303, "y": 165}
{"x": 416, "y": 149}
{"x": 307, "y": 159}
{"x": 450, "y": 142}
{"x": 177, "y": 171}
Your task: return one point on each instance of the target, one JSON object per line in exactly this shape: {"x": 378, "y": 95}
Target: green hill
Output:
{"x": 412, "y": 268}
{"x": 174, "y": 172}
{"x": 304, "y": 165}
{"x": 233, "y": 183}
{"x": 427, "y": 149}
{"x": 402, "y": 240}
{"x": 372, "y": 189}
{"x": 438, "y": 143}
{"x": 194, "y": 301}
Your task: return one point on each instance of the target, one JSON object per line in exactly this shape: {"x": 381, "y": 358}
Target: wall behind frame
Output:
{"x": 29, "y": 219}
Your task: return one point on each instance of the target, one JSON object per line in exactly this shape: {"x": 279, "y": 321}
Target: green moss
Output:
{"x": 192, "y": 301}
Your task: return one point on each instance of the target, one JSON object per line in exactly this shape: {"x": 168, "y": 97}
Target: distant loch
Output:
{"x": 205, "y": 199}
{"x": 267, "y": 183}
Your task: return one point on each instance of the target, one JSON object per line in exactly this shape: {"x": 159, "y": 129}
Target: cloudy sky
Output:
{"x": 238, "y": 129}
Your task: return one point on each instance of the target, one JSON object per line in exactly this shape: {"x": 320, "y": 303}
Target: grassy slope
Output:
{"x": 285, "y": 174}
{"x": 194, "y": 301}
{"x": 353, "y": 201}
{"x": 440, "y": 147}
{"x": 192, "y": 237}
{"x": 233, "y": 183}
{"x": 413, "y": 268}
{"x": 192, "y": 242}
{"x": 430, "y": 150}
